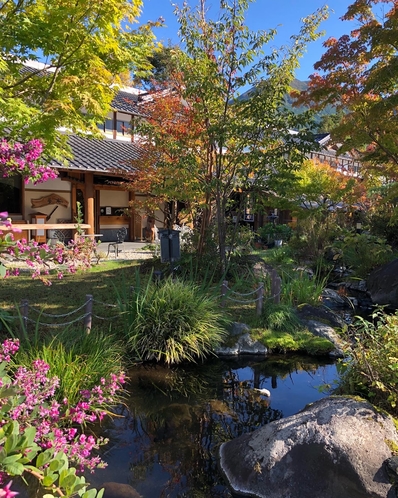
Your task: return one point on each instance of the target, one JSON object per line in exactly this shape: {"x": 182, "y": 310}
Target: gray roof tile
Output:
{"x": 101, "y": 156}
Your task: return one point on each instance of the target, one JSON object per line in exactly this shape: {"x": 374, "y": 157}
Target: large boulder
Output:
{"x": 382, "y": 285}
{"x": 334, "y": 448}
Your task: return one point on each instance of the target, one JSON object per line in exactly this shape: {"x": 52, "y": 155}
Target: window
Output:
{"x": 123, "y": 127}
{"x": 107, "y": 126}
{"x": 11, "y": 194}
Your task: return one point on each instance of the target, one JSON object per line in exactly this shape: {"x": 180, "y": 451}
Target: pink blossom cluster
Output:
{"x": 4, "y": 220}
{"x": 24, "y": 159}
{"x": 8, "y": 348}
{"x": 55, "y": 423}
{"x": 75, "y": 255}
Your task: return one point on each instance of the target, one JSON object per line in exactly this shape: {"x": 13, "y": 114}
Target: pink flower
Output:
{"x": 6, "y": 491}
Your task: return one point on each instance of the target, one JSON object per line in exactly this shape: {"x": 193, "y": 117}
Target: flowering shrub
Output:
{"x": 66, "y": 258}
{"x": 39, "y": 436}
{"x": 24, "y": 159}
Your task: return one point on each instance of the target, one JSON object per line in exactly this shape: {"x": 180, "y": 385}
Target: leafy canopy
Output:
{"x": 84, "y": 44}
{"x": 359, "y": 78}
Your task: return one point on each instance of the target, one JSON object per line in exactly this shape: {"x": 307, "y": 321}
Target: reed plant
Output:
{"x": 299, "y": 287}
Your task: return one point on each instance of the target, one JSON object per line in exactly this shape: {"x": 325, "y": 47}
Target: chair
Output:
{"x": 120, "y": 236}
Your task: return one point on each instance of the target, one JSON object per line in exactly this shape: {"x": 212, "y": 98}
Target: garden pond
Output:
{"x": 165, "y": 443}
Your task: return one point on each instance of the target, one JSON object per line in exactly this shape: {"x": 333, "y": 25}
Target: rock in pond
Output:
{"x": 334, "y": 448}
{"x": 118, "y": 490}
{"x": 244, "y": 345}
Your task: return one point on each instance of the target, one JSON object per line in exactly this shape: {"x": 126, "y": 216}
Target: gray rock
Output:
{"x": 244, "y": 345}
{"x": 238, "y": 328}
{"x": 382, "y": 285}
{"x": 323, "y": 330}
{"x": 333, "y": 299}
{"x": 357, "y": 285}
{"x": 334, "y": 448}
{"x": 118, "y": 490}
{"x": 320, "y": 314}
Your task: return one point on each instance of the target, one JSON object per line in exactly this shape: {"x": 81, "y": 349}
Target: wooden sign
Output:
{"x": 49, "y": 199}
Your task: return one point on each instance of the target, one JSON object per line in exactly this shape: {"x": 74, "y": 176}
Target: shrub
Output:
{"x": 279, "y": 317}
{"x": 361, "y": 252}
{"x": 270, "y": 232}
{"x": 371, "y": 369}
{"x": 174, "y": 322}
{"x": 313, "y": 235}
{"x": 300, "y": 287}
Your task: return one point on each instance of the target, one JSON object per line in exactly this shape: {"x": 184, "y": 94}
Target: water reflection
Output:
{"x": 165, "y": 444}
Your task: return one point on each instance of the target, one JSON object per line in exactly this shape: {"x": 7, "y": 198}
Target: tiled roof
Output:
{"x": 101, "y": 156}
{"x": 125, "y": 102}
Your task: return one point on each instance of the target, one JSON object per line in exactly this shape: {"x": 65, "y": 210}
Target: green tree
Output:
{"x": 359, "y": 79}
{"x": 161, "y": 61}
{"x": 239, "y": 140}
{"x": 84, "y": 45}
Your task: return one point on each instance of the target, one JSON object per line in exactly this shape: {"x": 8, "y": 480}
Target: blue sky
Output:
{"x": 283, "y": 15}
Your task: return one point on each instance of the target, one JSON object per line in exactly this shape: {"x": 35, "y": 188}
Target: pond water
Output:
{"x": 165, "y": 443}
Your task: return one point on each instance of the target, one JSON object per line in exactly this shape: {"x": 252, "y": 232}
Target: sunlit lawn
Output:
{"x": 104, "y": 282}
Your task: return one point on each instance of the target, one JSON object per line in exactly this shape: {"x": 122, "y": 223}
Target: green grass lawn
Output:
{"x": 105, "y": 282}
{"x": 100, "y": 281}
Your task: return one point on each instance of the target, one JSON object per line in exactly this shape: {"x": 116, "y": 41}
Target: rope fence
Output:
{"x": 87, "y": 317}
{"x": 276, "y": 283}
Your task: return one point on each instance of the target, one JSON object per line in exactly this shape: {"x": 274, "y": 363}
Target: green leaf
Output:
{"x": 28, "y": 436}
{"x": 44, "y": 458}
{"x": 11, "y": 459}
{"x": 55, "y": 465}
{"x": 91, "y": 493}
{"x": 14, "y": 469}
{"x": 49, "y": 479}
{"x": 11, "y": 443}
{"x": 70, "y": 480}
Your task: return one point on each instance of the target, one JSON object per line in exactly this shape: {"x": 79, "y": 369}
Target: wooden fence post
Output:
{"x": 88, "y": 313}
{"x": 276, "y": 284}
{"x": 260, "y": 299}
{"x": 224, "y": 288}
{"x": 24, "y": 309}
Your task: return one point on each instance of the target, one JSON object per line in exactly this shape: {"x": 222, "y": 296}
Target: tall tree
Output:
{"x": 82, "y": 46}
{"x": 359, "y": 78}
{"x": 237, "y": 140}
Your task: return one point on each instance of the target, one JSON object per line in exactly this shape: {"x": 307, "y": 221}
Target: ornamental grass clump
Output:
{"x": 173, "y": 322}
{"x": 78, "y": 360}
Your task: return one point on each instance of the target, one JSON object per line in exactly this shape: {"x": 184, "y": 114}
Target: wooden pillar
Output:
{"x": 89, "y": 201}
{"x": 133, "y": 235}
{"x": 97, "y": 203}
{"x": 73, "y": 202}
